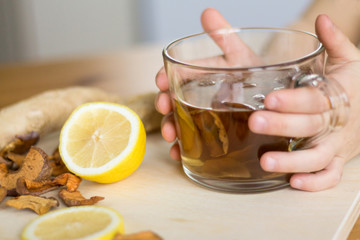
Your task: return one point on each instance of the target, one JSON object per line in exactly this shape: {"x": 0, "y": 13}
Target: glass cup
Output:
{"x": 218, "y": 79}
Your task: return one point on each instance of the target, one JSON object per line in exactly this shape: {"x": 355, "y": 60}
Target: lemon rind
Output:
{"x": 135, "y": 123}
{"x": 116, "y": 225}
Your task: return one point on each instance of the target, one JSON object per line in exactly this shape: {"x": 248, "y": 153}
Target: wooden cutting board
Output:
{"x": 159, "y": 197}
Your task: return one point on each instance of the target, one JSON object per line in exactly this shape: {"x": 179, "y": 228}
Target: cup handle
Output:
{"x": 334, "y": 118}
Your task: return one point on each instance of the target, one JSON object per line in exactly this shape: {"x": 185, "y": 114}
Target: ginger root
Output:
{"x": 45, "y": 112}
{"x": 144, "y": 106}
{"x": 48, "y": 111}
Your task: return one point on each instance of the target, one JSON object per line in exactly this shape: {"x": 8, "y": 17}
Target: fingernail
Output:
{"x": 259, "y": 124}
{"x": 296, "y": 183}
{"x": 271, "y": 103}
{"x": 332, "y": 25}
{"x": 156, "y": 102}
{"x": 270, "y": 164}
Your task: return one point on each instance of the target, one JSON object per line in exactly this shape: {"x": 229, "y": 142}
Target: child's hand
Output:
{"x": 316, "y": 168}
{"x": 319, "y": 167}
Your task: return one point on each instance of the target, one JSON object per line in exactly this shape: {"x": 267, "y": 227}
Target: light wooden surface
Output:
{"x": 126, "y": 73}
{"x": 158, "y": 196}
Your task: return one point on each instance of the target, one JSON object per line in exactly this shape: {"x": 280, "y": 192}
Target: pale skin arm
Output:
{"x": 317, "y": 168}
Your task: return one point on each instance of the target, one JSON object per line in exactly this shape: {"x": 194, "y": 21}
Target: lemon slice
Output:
{"x": 102, "y": 142}
{"x": 85, "y": 222}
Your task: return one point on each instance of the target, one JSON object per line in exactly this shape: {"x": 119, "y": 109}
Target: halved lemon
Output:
{"x": 85, "y": 222}
{"x": 102, "y": 142}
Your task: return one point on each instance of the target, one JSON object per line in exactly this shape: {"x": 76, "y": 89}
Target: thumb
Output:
{"x": 338, "y": 46}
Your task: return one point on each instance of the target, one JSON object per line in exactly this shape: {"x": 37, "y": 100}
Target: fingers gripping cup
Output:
{"x": 218, "y": 79}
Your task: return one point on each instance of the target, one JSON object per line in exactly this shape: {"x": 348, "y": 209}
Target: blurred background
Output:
{"x": 33, "y": 30}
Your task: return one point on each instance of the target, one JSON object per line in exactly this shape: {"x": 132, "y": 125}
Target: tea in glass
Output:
{"x": 216, "y": 143}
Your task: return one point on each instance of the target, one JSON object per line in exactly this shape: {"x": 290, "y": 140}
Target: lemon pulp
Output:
{"x": 103, "y": 142}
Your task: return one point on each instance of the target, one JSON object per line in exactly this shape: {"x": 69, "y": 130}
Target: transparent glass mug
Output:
{"x": 218, "y": 79}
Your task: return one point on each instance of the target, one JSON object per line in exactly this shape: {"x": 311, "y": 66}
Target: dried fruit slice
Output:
{"x": 35, "y": 167}
{"x": 189, "y": 136}
{"x": 74, "y": 198}
{"x": 85, "y": 222}
{"x": 40, "y": 205}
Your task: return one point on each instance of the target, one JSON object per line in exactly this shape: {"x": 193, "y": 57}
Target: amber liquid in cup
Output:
{"x": 216, "y": 143}
{"x": 219, "y": 78}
